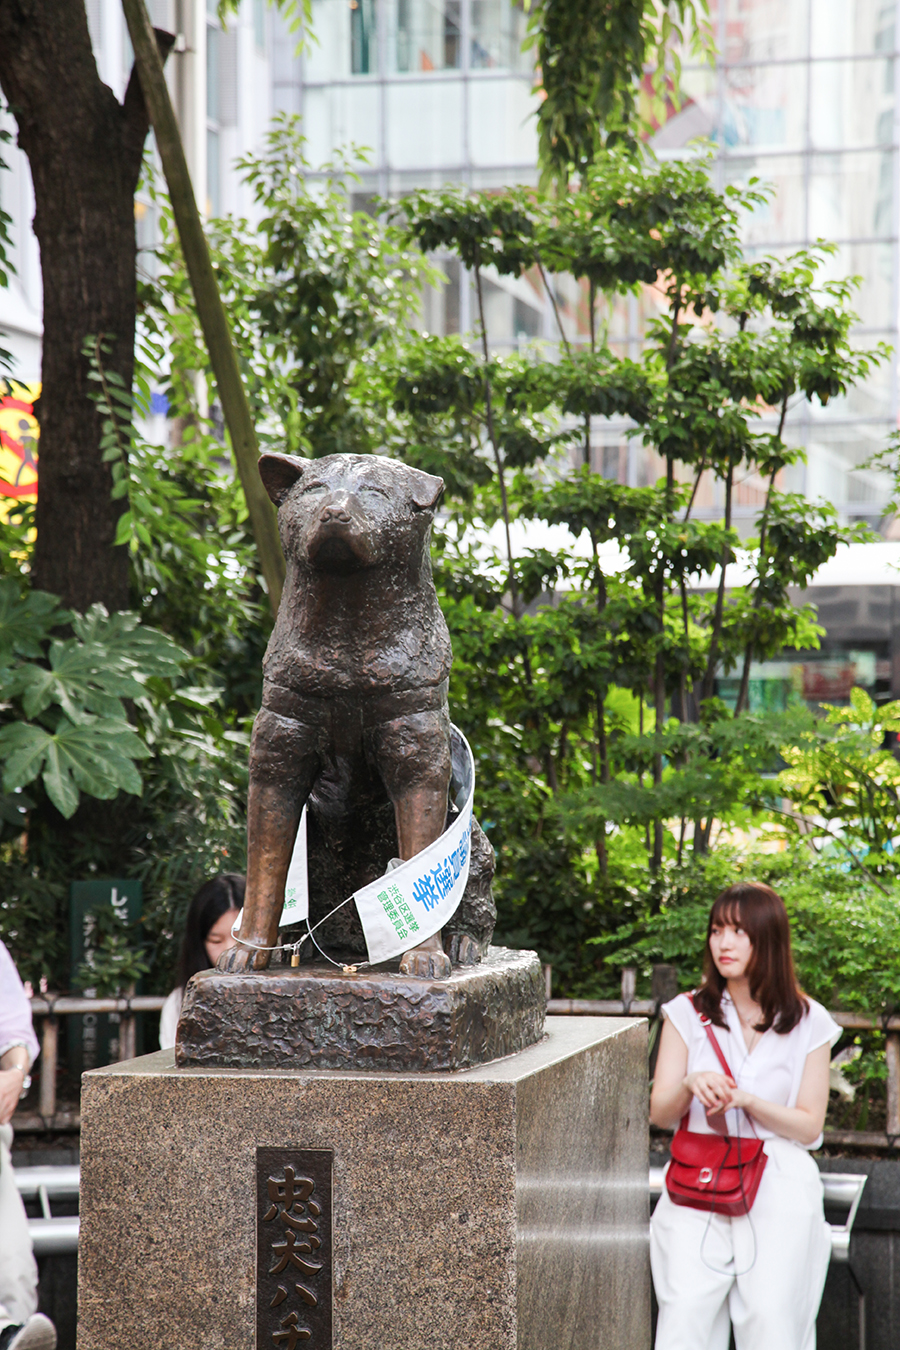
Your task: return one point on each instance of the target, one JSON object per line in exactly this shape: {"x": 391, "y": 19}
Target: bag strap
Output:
{"x": 707, "y": 1027}
{"x": 706, "y": 1024}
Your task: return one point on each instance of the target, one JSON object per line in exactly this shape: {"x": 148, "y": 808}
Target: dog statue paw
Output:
{"x": 237, "y": 959}
{"x": 463, "y": 950}
{"x": 428, "y": 961}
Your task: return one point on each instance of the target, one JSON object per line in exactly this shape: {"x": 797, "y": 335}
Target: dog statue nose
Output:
{"x": 336, "y": 513}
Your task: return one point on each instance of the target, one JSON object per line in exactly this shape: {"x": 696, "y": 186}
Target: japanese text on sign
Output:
{"x": 293, "y": 1204}
{"x": 294, "y": 1280}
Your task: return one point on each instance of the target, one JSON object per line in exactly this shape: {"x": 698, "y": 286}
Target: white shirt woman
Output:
{"x": 207, "y": 933}
{"x": 760, "y": 1273}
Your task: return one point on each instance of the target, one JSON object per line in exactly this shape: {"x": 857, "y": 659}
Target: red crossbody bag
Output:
{"x": 712, "y": 1171}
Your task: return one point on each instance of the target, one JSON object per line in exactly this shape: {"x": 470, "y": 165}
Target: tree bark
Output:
{"x": 85, "y": 151}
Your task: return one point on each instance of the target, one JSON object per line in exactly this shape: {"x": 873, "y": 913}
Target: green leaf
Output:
{"x": 25, "y": 620}
{"x": 59, "y": 781}
{"x": 96, "y": 757}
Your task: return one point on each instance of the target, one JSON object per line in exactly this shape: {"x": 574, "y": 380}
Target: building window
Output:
{"x": 363, "y": 51}
{"x": 429, "y": 35}
{"x": 213, "y": 85}
{"x": 259, "y": 24}
{"x": 213, "y": 184}
{"x": 498, "y": 30}
{"x": 452, "y": 35}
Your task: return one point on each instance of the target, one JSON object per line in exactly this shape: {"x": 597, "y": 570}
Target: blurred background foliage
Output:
{"x": 619, "y": 792}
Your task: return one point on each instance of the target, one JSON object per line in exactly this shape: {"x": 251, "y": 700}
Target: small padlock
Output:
{"x": 295, "y": 957}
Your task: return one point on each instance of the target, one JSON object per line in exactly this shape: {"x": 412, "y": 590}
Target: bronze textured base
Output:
{"x": 317, "y": 1017}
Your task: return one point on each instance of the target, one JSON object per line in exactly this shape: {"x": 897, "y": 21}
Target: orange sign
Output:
{"x": 19, "y": 433}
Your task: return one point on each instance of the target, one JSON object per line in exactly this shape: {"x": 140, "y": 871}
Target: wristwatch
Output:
{"x": 26, "y": 1078}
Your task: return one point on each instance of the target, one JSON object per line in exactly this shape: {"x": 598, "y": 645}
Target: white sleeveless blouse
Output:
{"x": 773, "y": 1071}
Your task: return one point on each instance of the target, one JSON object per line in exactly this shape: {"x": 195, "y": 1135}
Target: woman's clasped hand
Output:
{"x": 714, "y": 1090}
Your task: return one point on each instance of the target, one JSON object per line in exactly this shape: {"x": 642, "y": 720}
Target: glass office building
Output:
{"x": 802, "y": 97}
{"x": 431, "y": 92}
{"x": 435, "y": 91}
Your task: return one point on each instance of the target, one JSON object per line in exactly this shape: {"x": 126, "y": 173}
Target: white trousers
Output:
{"x": 763, "y": 1272}
{"x": 18, "y": 1269}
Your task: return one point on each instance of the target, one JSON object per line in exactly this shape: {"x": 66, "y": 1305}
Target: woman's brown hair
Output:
{"x": 214, "y": 898}
{"x": 761, "y": 913}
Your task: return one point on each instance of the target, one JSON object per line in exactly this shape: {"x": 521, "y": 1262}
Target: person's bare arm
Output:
{"x": 13, "y": 1072}
{"x": 803, "y": 1122}
{"x": 673, "y": 1086}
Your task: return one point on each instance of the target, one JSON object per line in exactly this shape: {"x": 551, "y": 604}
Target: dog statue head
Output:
{"x": 342, "y": 513}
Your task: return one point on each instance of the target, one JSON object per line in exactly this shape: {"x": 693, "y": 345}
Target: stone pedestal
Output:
{"x": 320, "y": 1017}
{"x": 503, "y": 1207}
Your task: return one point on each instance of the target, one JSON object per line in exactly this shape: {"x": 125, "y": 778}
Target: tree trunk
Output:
{"x": 603, "y": 756}
{"x": 744, "y": 691}
{"x": 709, "y": 679}
{"x": 85, "y": 151}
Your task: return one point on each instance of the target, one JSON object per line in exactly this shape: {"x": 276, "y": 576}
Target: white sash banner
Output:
{"x": 414, "y": 899}
{"x": 296, "y": 888}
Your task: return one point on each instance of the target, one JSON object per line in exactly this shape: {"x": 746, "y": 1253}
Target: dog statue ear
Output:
{"x": 279, "y": 473}
{"x": 425, "y": 489}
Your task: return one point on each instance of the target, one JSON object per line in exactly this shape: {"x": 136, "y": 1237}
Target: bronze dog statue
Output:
{"x": 354, "y": 715}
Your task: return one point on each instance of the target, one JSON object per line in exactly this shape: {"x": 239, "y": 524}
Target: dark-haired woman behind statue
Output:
{"x": 207, "y": 933}
{"x": 762, "y": 1271}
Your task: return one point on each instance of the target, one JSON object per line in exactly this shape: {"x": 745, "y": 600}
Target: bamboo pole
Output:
{"x": 210, "y": 309}
{"x": 892, "y": 1056}
{"x": 49, "y": 1050}
{"x": 127, "y": 1032}
{"x": 127, "y": 1037}
{"x": 53, "y": 1004}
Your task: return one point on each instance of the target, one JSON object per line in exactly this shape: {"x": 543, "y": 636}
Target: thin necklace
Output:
{"x": 754, "y": 1031}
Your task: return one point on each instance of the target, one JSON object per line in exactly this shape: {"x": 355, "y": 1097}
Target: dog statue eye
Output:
{"x": 313, "y": 487}
{"x": 370, "y": 487}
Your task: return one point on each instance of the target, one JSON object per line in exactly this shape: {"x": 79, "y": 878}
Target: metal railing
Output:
{"x": 50, "y": 1234}
{"x": 53, "y": 1006}
{"x": 840, "y": 1188}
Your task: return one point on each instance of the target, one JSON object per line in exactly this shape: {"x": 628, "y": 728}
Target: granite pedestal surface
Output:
{"x": 501, "y": 1207}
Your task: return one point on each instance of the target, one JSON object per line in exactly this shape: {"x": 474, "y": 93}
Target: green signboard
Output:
{"x": 94, "y": 1037}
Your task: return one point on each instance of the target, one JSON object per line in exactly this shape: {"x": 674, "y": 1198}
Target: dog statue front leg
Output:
{"x": 272, "y": 827}
{"x": 413, "y": 757}
{"x": 420, "y": 816}
{"x": 414, "y": 762}
{"x": 282, "y": 771}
